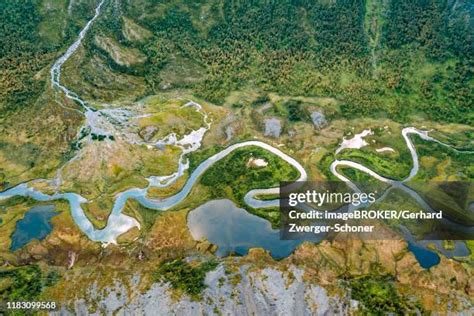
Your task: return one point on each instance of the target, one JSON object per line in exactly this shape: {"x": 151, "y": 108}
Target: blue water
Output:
{"x": 35, "y": 225}
{"x": 235, "y": 231}
{"x": 460, "y": 248}
{"x": 427, "y": 258}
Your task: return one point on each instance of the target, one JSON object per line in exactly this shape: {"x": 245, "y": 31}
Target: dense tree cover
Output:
{"x": 320, "y": 48}
{"x": 24, "y": 52}
{"x": 21, "y": 54}
{"x": 254, "y": 41}
{"x": 379, "y": 296}
{"x": 233, "y": 176}
{"x": 24, "y": 283}
{"x": 185, "y": 276}
{"x": 295, "y": 112}
{"x": 431, "y": 24}
{"x": 417, "y": 61}
{"x": 298, "y": 47}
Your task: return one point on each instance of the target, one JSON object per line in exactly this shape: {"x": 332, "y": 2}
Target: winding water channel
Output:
{"x": 119, "y": 223}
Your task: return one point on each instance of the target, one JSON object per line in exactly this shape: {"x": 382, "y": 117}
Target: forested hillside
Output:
{"x": 392, "y": 57}
{"x": 35, "y": 128}
{"x": 123, "y": 120}
{"x": 401, "y": 59}
{"x": 33, "y": 34}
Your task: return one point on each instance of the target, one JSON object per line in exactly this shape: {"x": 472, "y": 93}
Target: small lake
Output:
{"x": 35, "y": 225}
{"x": 234, "y": 230}
{"x": 426, "y": 258}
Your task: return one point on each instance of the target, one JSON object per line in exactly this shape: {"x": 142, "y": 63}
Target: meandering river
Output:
{"x": 119, "y": 223}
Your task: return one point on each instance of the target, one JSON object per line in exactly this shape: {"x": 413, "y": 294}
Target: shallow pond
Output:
{"x": 234, "y": 230}
{"x": 427, "y": 258}
{"x": 35, "y": 225}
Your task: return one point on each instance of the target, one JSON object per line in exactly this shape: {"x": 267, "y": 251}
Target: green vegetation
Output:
{"x": 445, "y": 179}
{"x": 407, "y": 60}
{"x": 232, "y": 177}
{"x": 199, "y": 156}
{"x": 21, "y": 54}
{"x": 29, "y": 42}
{"x": 33, "y": 35}
{"x": 362, "y": 180}
{"x": 187, "y": 277}
{"x": 470, "y": 245}
{"x": 232, "y": 172}
{"x": 391, "y": 168}
{"x": 294, "y": 110}
{"x": 379, "y": 296}
{"x": 377, "y": 59}
{"x": 168, "y": 117}
{"x": 147, "y": 217}
{"x": 261, "y": 99}
{"x": 394, "y": 59}
{"x": 24, "y": 283}
{"x": 445, "y": 163}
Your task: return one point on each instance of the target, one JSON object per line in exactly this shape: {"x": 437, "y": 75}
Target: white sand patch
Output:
{"x": 256, "y": 162}
{"x": 355, "y": 142}
{"x": 385, "y": 149}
